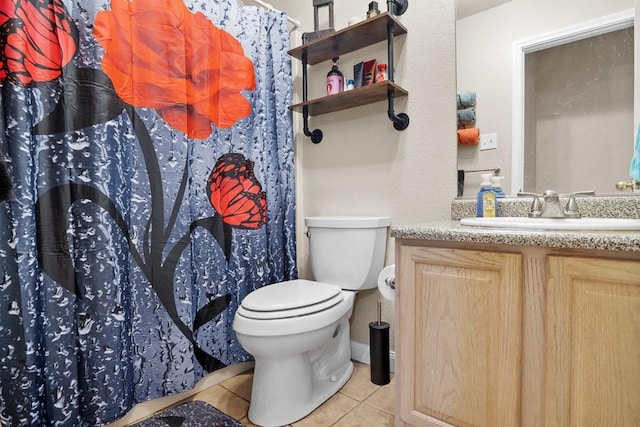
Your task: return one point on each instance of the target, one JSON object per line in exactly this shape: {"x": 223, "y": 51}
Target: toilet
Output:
{"x": 298, "y": 330}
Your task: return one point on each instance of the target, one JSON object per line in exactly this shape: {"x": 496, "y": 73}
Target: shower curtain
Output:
{"x": 149, "y": 151}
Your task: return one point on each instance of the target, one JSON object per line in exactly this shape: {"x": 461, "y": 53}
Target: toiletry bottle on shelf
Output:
{"x": 335, "y": 80}
{"x": 373, "y": 9}
{"x": 487, "y": 200}
{"x": 381, "y": 75}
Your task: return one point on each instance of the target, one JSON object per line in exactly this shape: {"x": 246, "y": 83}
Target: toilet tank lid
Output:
{"x": 347, "y": 221}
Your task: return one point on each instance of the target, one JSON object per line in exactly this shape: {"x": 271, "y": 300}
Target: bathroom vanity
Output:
{"x": 516, "y": 327}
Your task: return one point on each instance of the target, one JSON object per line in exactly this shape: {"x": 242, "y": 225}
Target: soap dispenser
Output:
{"x": 487, "y": 200}
{"x": 496, "y": 185}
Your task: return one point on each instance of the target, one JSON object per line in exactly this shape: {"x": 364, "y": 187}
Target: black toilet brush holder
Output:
{"x": 379, "y": 350}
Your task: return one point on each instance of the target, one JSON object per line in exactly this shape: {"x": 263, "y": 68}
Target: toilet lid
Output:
{"x": 292, "y": 298}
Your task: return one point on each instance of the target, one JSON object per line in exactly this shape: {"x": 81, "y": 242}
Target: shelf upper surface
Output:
{"x": 351, "y": 98}
{"x": 357, "y": 36}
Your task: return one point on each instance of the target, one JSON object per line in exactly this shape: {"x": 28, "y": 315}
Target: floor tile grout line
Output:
{"x": 379, "y": 409}
{"x": 351, "y": 397}
{"x": 375, "y": 406}
{"x": 347, "y": 413}
{"x": 234, "y": 393}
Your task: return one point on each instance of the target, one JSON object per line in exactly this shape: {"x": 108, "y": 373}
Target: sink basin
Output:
{"x": 586, "y": 224}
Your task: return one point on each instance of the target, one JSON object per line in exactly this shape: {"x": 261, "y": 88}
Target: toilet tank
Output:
{"x": 347, "y": 250}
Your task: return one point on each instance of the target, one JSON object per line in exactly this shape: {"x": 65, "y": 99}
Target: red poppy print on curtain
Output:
{"x": 160, "y": 55}
{"x": 236, "y": 194}
{"x": 37, "y": 39}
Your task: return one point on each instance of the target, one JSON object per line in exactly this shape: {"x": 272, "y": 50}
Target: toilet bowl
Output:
{"x": 286, "y": 345}
{"x": 298, "y": 330}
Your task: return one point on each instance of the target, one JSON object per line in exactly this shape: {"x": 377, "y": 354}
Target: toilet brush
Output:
{"x": 379, "y": 349}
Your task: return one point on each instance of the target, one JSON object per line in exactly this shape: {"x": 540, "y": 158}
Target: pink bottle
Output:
{"x": 335, "y": 80}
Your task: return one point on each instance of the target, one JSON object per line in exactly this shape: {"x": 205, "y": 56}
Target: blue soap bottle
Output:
{"x": 486, "y": 205}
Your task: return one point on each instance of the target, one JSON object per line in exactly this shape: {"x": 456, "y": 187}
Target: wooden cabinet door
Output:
{"x": 459, "y": 333}
{"x": 592, "y": 371}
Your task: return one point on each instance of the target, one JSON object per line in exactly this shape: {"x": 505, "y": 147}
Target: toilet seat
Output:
{"x": 293, "y": 298}
{"x": 282, "y": 324}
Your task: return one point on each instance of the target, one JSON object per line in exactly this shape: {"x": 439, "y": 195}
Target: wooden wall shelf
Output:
{"x": 351, "y": 98}
{"x": 383, "y": 27}
{"x": 357, "y": 36}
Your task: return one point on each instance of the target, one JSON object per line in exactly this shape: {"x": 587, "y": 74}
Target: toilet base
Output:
{"x": 274, "y": 402}
{"x": 294, "y": 374}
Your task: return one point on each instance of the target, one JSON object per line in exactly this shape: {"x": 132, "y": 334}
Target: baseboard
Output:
{"x": 360, "y": 353}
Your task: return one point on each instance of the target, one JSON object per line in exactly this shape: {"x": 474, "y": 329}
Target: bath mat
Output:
{"x": 190, "y": 414}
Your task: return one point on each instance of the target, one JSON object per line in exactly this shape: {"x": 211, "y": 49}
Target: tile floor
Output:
{"x": 358, "y": 403}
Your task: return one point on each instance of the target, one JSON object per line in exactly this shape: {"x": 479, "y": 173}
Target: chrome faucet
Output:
{"x": 552, "y": 207}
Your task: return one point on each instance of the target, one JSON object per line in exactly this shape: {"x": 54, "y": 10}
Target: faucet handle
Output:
{"x": 536, "y": 207}
{"x": 572, "y": 210}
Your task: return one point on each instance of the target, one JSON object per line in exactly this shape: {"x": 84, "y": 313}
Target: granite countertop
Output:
{"x": 605, "y": 207}
{"x": 452, "y": 231}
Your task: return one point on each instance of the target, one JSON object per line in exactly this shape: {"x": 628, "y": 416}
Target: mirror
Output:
{"x": 494, "y": 39}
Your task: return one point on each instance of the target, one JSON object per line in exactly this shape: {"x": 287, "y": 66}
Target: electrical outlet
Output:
{"x": 489, "y": 141}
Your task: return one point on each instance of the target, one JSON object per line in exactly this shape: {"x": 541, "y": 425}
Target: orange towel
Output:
{"x": 469, "y": 136}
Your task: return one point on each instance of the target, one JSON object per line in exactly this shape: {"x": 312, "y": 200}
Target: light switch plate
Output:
{"x": 488, "y": 141}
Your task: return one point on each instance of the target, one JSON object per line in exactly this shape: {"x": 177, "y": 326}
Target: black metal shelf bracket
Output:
{"x": 315, "y": 135}
{"x": 397, "y": 7}
{"x": 400, "y": 121}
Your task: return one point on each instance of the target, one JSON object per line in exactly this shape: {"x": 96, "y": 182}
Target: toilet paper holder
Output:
{"x": 390, "y": 282}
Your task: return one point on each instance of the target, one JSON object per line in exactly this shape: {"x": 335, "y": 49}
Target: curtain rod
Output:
{"x": 295, "y": 22}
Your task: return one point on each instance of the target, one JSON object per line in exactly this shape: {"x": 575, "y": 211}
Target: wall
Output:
{"x": 484, "y": 58}
{"x": 363, "y": 166}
